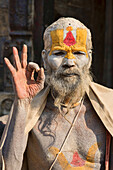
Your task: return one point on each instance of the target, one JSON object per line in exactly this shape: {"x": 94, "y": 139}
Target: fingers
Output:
{"x": 41, "y": 76}
{"x": 40, "y": 80}
{"x": 24, "y": 56}
{"x": 16, "y": 58}
{"x": 10, "y": 66}
{"x": 23, "y": 59}
{"x": 32, "y": 67}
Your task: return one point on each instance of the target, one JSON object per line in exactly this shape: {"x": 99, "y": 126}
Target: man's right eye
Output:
{"x": 58, "y": 53}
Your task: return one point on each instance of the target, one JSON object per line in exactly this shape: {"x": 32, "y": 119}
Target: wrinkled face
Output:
{"x": 68, "y": 48}
{"x": 68, "y": 61}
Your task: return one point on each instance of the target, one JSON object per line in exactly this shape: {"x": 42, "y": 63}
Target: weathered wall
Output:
{"x": 16, "y": 23}
{"x": 4, "y": 35}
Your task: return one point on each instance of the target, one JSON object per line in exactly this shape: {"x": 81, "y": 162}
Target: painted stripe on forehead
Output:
{"x": 81, "y": 36}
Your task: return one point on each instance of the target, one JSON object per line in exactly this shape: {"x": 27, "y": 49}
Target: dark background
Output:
{"x": 24, "y": 21}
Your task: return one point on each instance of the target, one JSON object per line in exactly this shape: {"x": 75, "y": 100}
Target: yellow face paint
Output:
{"x": 69, "y": 28}
{"x": 65, "y": 164}
{"x": 77, "y": 42}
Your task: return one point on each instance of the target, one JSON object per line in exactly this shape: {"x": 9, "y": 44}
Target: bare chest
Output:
{"x": 85, "y": 146}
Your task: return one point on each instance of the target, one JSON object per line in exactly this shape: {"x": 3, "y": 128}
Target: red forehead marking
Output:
{"x": 69, "y": 40}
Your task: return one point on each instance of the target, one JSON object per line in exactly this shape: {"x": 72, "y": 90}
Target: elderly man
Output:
{"x": 65, "y": 124}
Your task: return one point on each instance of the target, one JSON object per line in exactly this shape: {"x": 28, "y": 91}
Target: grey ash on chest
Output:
{"x": 86, "y": 144}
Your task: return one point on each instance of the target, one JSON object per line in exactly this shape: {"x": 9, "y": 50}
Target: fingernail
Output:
{"x": 5, "y": 59}
{"x": 37, "y": 70}
{"x": 14, "y": 48}
{"x": 42, "y": 69}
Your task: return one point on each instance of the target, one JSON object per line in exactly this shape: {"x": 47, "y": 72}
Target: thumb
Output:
{"x": 41, "y": 76}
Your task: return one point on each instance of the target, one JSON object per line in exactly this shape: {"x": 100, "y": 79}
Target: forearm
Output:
{"x": 16, "y": 139}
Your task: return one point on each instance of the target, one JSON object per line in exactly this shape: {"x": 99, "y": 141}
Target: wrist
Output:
{"x": 26, "y": 100}
{"x": 22, "y": 102}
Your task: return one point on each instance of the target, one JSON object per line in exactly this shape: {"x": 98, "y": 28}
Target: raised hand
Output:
{"x": 23, "y": 75}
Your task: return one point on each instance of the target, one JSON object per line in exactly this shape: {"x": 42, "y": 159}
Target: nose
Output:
{"x": 68, "y": 62}
{"x": 69, "y": 55}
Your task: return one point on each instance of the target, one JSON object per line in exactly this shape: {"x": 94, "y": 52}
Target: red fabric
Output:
{"x": 108, "y": 141}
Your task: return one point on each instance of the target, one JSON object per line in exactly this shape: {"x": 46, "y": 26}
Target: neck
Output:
{"x": 71, "y": 100}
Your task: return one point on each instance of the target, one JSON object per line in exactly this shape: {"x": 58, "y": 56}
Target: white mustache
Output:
{"x": 68, "y": 72}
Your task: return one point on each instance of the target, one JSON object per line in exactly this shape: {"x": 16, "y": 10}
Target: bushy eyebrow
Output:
{"x": 66, "y": 48}
{"x": 60, "y": 48}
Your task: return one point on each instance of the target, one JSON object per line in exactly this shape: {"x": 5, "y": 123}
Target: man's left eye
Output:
{"x": 78, "y": 53}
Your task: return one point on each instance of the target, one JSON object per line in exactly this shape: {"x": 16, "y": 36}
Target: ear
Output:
{"x": 90, "y": 58}
{"x": 44, "y": 57}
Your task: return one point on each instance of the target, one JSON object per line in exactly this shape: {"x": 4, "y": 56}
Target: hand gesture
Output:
{"x": 23, "y": 75}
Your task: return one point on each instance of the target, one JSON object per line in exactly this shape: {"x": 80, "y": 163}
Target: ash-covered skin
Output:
{"x": 58, "y": 58}
{"x": 68, "y": 76}
{"x": 87, "y": 139}
{"x": 67, "y": 66}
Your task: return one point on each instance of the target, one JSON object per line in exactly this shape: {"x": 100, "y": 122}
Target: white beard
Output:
{"x": 68, "y": 87}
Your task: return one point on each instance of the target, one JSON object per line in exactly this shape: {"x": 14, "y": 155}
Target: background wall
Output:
{"x": 24, "y": 21}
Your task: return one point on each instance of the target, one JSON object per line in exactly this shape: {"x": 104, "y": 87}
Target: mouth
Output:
{"x": 69, "y": 75}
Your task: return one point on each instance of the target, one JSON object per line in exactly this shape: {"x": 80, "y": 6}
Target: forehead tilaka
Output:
{"x": 67, "y": 32}
{"x": 69, "y": 39}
